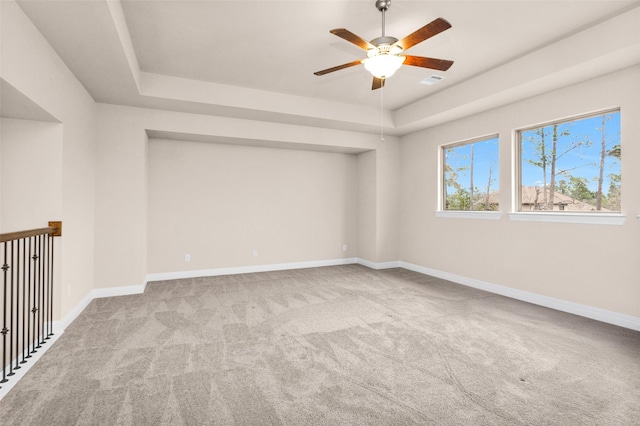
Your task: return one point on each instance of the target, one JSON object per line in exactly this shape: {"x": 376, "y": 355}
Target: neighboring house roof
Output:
{"x": 533, "y": 196}
{"x": 494, "y": 199}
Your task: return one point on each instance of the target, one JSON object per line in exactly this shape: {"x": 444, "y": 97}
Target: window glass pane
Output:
{"x": 572, "y": 165}
{"x": 471, "y": 175}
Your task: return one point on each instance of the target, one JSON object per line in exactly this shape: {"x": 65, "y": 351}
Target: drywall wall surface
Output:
{"x": 228, "y": 206}
{"x": 388, "y": 200}
{"x": 122, "y": 188}
{"x": 591, "y": 264}
{"x": 32, "y": 67}
{"x": 367, "y": 206}
{"x": 121, "y": 198}
{"x": 31, "y": 169}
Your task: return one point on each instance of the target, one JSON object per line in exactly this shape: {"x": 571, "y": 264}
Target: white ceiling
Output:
{"x": 255, "y": 59}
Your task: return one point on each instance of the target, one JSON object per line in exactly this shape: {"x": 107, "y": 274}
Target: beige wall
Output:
{"x": 367, "y": 201}
{"x": 388, "y": 189}
{"x": 219, "y": 202}
{"x": 32, "y": 67}
{"x": 123, "y": 185}
{"x": 594, "y": 265}
{"x": 121, "y": 198}
{"x": 30, "y": 174}
{"x": 378, "y": 203}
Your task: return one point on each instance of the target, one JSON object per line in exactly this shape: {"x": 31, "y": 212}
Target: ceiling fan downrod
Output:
{"x": 383, "y": 43}
{"x": 382, "y": 6}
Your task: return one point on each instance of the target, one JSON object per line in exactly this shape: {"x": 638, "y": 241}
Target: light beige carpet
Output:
{"x": 329, "y": 346}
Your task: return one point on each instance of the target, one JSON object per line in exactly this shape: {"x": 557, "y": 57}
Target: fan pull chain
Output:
{"x": 382, "y": 112}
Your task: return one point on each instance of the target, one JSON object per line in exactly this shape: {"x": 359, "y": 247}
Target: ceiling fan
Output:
{"x": 383, "y": 53}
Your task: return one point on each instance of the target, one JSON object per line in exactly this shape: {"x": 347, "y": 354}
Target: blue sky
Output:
{"x": 485, "y": 153}
{"x": 584, "y": 160}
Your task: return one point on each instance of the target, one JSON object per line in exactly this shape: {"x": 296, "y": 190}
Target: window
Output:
{"x": 470, "y": 175}
{"x": 572, "y": 165}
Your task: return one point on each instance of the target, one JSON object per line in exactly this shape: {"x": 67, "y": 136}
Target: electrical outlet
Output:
{"x": 344, "y": 247}
{"x": 187, "y": 257}
{"x": 254, "y": 253}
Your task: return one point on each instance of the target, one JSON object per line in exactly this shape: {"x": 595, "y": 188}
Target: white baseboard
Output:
{"x": 378, "y": 266}
{"x": 118, "y": 291}
{"x": 603, "y": 315}
{"x": 162, "y": 276}
{"x": 60, "y": 326}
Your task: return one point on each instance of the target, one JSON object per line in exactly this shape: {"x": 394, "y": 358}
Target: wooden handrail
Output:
{"x": 54, "y": 229}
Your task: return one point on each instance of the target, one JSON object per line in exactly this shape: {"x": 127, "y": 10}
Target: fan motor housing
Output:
{"x": 386, "y": 45}
{"x": 380, "y": 42}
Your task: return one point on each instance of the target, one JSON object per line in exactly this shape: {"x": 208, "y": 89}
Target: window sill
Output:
{"x": 588, "y": 218}
{"x": 466, "y": 214}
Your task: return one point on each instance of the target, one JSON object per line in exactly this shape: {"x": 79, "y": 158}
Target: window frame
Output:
{"x": 441, "y": 202}
{"x": 517, "y": 214}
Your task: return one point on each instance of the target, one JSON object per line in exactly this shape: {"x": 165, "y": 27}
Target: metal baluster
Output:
{"x": 36, "y": 297}
{"x": 16, "y": 330}
{"x": 45, "y": 306}
{"x": 51, "y": 244}
{"x": 5, "y": 268}
{"x": 45, "y": 286}
{"x": 10, "y": 330}
{"x": 41, "y": 293}
{"x": 32, "y": 302}
{"x": 25, "y": 277}
{"x": 29, "y": 302}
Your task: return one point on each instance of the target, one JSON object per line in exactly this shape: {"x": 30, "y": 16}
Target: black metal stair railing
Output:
{"x": 26, "y": 294}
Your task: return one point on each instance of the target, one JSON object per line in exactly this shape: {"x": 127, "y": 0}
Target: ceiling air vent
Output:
{"x": 431, "y": 80}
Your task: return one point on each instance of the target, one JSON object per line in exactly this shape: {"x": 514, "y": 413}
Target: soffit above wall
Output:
{"x": 14, "y": 104}
{"x": 159, "y": 134}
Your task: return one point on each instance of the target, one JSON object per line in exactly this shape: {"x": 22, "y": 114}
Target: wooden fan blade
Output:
{"x": 339, "y": 67}
{"x": 434, "y": 27}
{"x": 433, "y": 63}
{"x": 377, "y": 83}
{"x": 352, "y": 38}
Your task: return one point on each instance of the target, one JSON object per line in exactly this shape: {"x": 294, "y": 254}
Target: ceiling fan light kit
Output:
{"x": 383, "y": 53}
{"x": 383, "y": 65}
